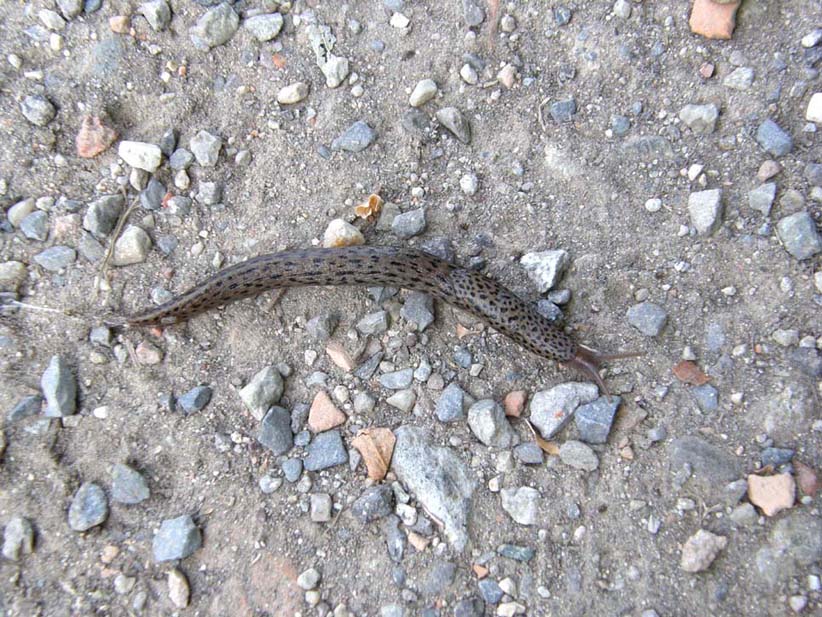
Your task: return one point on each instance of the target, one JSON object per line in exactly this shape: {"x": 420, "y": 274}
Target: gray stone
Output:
{"x": 36, "y": 226}
{"x": 706, "y": 466}
{"x": 563, "y": 111}
{"x": 744, "y": 514}
{"x": 701, "y": 119}
{"x": 453, "y": 120}
{"x": 517, "y": 553}
{"x": 168, "y": 142}
{"x": 521, "y": 504}
{"x": 292, "y": 469}
{"x": 72, "y": 8}
{"x": 335, "y": 69}
{"x": 374, "y": 323}
{"x": 552, "y": 409}
{"x": 562, "y": 15}
{"x": 545, "y": 268}
{"x": 275, "y": 431}
{"x": 88, "y": 508}
{"x": 622, "y": 9}
{"x": 403, "y": 400}
{"x": 263, "y": 391}
{"x": 18, "y": 538}
{"x": 706, "y": 396}
{"x": 215, "y": 27}
{"x": 128, "y": 485}
{"x": 375, "y": 502}
{"x": 440, "y": 576}
{"x": 648, "y": 318}
{"x": 813, "y": 174}
{"x": 264, "y": 27}
{"x": 808, "y": 360}
{"x": 210, "y": 193}
{"x": 356, "y": 138}
{"x": 812, "y": 39}
{"x": 397, "y": 380}
{"x": 321, "y": 327}
{"x": 469, "y": 606}
{"x": 320, "y": 507}
{"x": 648, "y": 147}
{"x": 38, "y": 110}
{"x": 157, "y": 14}
{"x": 409, "y": 224}
{"x": 489, "y": 424}
{"x": 799, "y": 535}
{"x": 131, "y": 247}
{"x": 700, "y": 550}
{"x": 776, "y": 456}
{"x": 799, "y": 235}
{"x": 59, "y": 388}
{"x": 773, "y": 139}
{"x": 490, "y": 591}
{"x": 620, "y": 125}
{"x": 25, "y": 408}
{"x": 594, "y": 419}
{"x": 326, "y": 450}
{"x": 206, "y": 148}
{"x": 761, "y": 198}
{"x": 473, "y": 13}
{"x": 395, "y": 539}
{"x": 705, "y": 209}
{"x": 195, "y": 399}
{"x": 578, "y": 455}
{"x": 442, "y": 483}
{"x": 739, "y": 79}
{"x": 177, "y": 538}
{"x": 90, "y": 249}
{"x": 417, "y": 123}
{"x": 418, "y": 309}
{"x": 151, "y": 198}
{"x": 786, "y": 413}
{"x": 450, "y": 404}
{"x": 102, "y": 215}
{"x": 529, "y": 454}
{"x": 55, "y": 258}
{"x": 181, "y": 159}
{"x": 141, "y": 155}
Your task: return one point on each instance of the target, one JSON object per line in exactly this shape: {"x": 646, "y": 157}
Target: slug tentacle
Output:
{"x": 588, "y": 361}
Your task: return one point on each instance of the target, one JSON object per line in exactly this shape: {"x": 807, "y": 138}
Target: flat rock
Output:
{"x": 594, "y": 419}
{"x": 773, "y": 139}
{"x": 700, "y": 550}
{"x": 708, "y": 467}
{"x": 648, "y": 318}
{"x": 141, "y": 155}
{"x": 88, "y": 508}
{"x": 128, "y": 485}
{"x": 522, "y": 504}
{"x": 761, "y": 198}
{"x": 712, "y": 19}
{"x": 552, "y": 409}
{"x": 59, "y": 388}
{"x": 275, "y": 431}
{"x": 457, "y": 124}
{"x": 356, "y": 138}
{"x": 705, "y": 209}
{"x": 489, "y": 424}
{"x": 215, "y": 27}
{"x": 324, "y": 415}
{"x": 262, "y": 391}
{"x": 545, "y": 268}
{"x": 701, "y": 119}
{"x": 772, "y": 494}
{"x": 799, "y": 235}
{"x": 264, "y": 27}
{"x": 177, "y": 538}
{"x": 326, "y": 450}
{"x": 578, "y": 455}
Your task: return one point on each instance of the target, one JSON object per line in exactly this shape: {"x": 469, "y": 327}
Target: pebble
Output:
{"x": 488, "y": 422}
{"x": 376, "y": 502}
{"x": 157, "y": 14}
{"x": 620, "y": 125}
{"x": 761, "y": 198}
{"x": 563, "y": 111}
{"x": 374, "y": 323}
{"x": 647, "y": 317}
{"x": 325, "y": 450}
{"x": 12, "y": 275}
{"x": 320, "y": 507}
{"x": 323, "y": 414}
{"x": 776, "y": 456}
{"x": 335, "y": 69}
{"x": 195, "y": 399}
{"x": 473, "y": 13}
{"x": 340, "y": 233}
{"x": 292, "y": 93}
{"x": 275, "y": 431}
{"x": 177, "y": 538}
{"x": 453, "y": 120}
{"x": 399, "y": 21}
{"x": 27, "y": 407}
{"x": 768, "y": 170}
{"x": 19, "y": 211}
{"x": 701, "y": 119}
{"x": 521, "y": 504}
{"x": 490, "y": 591}
{"x": 514, "y": 403}
{"x": 321, "y": 327}
{"x": 409, "y": 224}
{"x": 706, "y": 396}
{"x": 210, "y": 193}
{"x": 552, "y": 409}
{"x": 179, "y": 591}
{"x": 131, "y": 247}
{"x": 181, "y": 159}
{"x": 215, "y": 27}
{"x": 128, "y": 485}
{"x": 594, "y": 419}
{"x": 140, "y": 155}
{"x": 148, "y": 354}
{"x": 469, "y": 184}
{"x": 395, "y": 539}
{"x": 799, "y": 235}
{"x": 545, "y": 268}
{"x": 622, "y": 9}
{"x": 18, "y": 538}
{"x": 55, "y": 258}
{"x": 469, "y": 74}
{"x": 424, "y": 91}
{"x": 70, "y": 9}
{"x": 785, "y": 338}
{"x": 38, "y": 110}
{"x": 292, "y": 469}
{"x": 36, "y": 226}
{"x": 269, "y": 484}
{"x": 59, "y": 388}
{"x": 441, "y": 481}
{"x": 449, "y": 406}
{"x": 309, "y": 579}
{"x": 356, "y": 138}
{"x": 102, "y": 214}
{"x": 700, "y": 550}
{"x": 578, "y": 455}
{"x": 773, "y": 139}
{"x": 739, "y": 79}
{"x": 812, "y": 39}
{"x": 744, "y": 514}
{"x": 89, "y": 507}
{"x": 418, "y": 309}
{"x": 653, "y": 205}
{"x": 206, "y": 147}
{"x": 262, "y": 391}
{"x": 403, "y": 400}
{"x": 265, "y": 27}
{"x": 772, "y": 494}
{"x": 705, "y": 209}
{"x": 397, "y": 380}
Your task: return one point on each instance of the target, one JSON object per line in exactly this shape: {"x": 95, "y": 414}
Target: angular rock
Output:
{"x": 701, "y": 119}
{"x": 418, "y": 309}
{"x": 489, "y": 424}
{"x": 376, "y": 502}
{"x": 215, "y": 27}
{"x": 578, "y": 455}
{"x": 761, "y": 198}
{"x": 647, "y": 317}
{"x": 206, "y": 148}
{"x": 772, "y": 494}
{"x": 453, "y": 120}
{"x": 594, "y": 419}
{"x": 128, "y": 486}
{"x": 102, "y": 215}
{"x": 356, "y": 138}
{"x": 552, "y": 409}
{"x": 59, "y": 388}
{"x": 773, "y": 139}
{"x": 799, "y": 235}
{"x": 275, "y": 431}
{"x": 522, "y": 504}
{"x": 264, "y": 27}
{"x": 705, "y": 209}
{"x": 38, "y": 110}
{"x": 326, "y": 450}
{"x": 140, "y": 155}
{"x": 55, "y": 258}
{"x": 88, "y": 508}
{"x": 449, "y": 405}
{"x": 262, "y": 391}
{"x": 18, "y": 538}
{"x": 700, "y": 550}
{"x": 545, "y": 268}
{"x": 177, "y": 538}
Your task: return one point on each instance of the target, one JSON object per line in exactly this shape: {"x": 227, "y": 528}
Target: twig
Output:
{"x": 45, "y": 309}
{"x": 116, "y": 234}
{"x": 539, "y": 113}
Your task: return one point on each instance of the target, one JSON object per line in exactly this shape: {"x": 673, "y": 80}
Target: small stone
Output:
{"x": 215, "y": 27}
{"x": 761, "y": 198}
{"x": 799, "y": 235}
{"x": 321, "y": 327}
{"x": 768, "y": 170}
{"x": 320, "y": 507}
{"x": 356, "y": 138}
{"x": 397, "y": 380}
{"x": 195, "y": 399}
{"x": 552, "y": 409}
{"x": 292, "y": 93}
{"x": 469, "y": 74}
{"x": 326, "y": 450}
{"x": 712, "y": 19}
{"x": 181, "y": 159}
{"x": 487, "y": 421}
{"x": 705, "y": 209}
{"x": 140, "y": 155}
{"x": 706, "y": 70}
{"x": 177, "y": 538}
{"x": 70, "y": 8}
{"x": 324, "y": 415}
{"x": 102, "y": 215}
{"x": 814, "y": 111}
{"x": 128, "y": 485}
{"x": 620, "y": 125}
{"x": 622, "y": 9}
{"x": 700, "y": 550}
{"x": 55, "y": 258}
{"x": 179, "y": 591}
{"x": 340, "y": 233}
{"x": 648, "y": 318}
{"x": 409, "y": 224}
{"x": 309, "y": 579}
{"x": 490, "y": 591}
{"x": 469, "y": 184}
{"x": 707, "y": 397}
{"x": 653, "y": 205}
{"x": 812, "y": 39}
{"x": 776, "y": 456}
{"x": 403, "y": 400}
{"x": 157, "y": 14}
{"x": 578, "y": 455}
{"x": 335, "y": 68}
{"x": 453, "y": 120}
{"x": 418, "y": 309}
{"x": 18, "y": 538}
{"x": 772, "y": 494}
{"x": 424, "y": 91}
{"x": 744, "y": 514}
{"x": 88, "y": 508}
{"x": 399, "y": 21}
{"x": 36, "y": 226}
{"x": 373, "y": 323}
{"x": 264, "y": 27}
{"x": 12, "y": 275}
{"x": 786, "y": 338}
{"x": 148, "y": 354}
{"x": 206, "y": 147}
{"x": 473, "y": 13}
{"x": 450, "y": 404}
{"x": 594, "y": 419}
{"x": 773, "y": 139}
{"x": 701, "y": 119}
{"x": 545, "y": 268}
{"x": 132, "y": 246}
{"x": 275, "y": 431}
{"x": 522, "y": 504}
{"x": 376, "y": 502}
{"x": 38, "y": 110}
{"x": 210, "y": 193}
{"x": 292, "y": 468}
{"x": 59, "y": 388}
{"x": 739, "y": 79}
{"x": 529, "y": 454}
{"x": 262, "y": 391}
{"x": 563, "y": 111}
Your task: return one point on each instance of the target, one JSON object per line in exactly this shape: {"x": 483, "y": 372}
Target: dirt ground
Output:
{"x": 729, "y": 297}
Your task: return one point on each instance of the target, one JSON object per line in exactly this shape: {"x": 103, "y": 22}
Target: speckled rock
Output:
{"x": 88, "y": 508}
{"x": 177, "y": 538}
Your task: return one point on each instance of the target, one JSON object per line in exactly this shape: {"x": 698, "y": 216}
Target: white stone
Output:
{"x": 141, "y": 155}
{"x": 399, "y": 21}
{"x": 424, "y": 91}
{"x": 814, "y": 113}
{"x": 292, "y": 93}
{"x": 341, "y": 233}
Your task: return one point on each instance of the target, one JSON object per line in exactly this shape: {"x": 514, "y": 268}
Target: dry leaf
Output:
{"x": 549, "y": 447}
{"x": 376, "y": 446}
{"x": 688, "y": 372}
{"x": 371, "y": 207}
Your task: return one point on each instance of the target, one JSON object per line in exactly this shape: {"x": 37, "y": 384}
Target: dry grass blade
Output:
{"x": 549, "y": 447}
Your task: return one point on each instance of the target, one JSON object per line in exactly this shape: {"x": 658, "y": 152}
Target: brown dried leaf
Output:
{"x": 549, "y": 447}
{"x": 688, "y": 372}
{"x": 371, "y": 207}
{"x": 376, "y": 446}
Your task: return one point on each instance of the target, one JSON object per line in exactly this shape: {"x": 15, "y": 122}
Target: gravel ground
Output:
{"x": 654, "y": 190}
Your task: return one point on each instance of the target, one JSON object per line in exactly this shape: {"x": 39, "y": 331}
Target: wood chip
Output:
{"x": 376, "y": 445}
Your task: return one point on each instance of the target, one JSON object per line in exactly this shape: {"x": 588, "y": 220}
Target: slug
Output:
{"x": 394, "y": 267}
